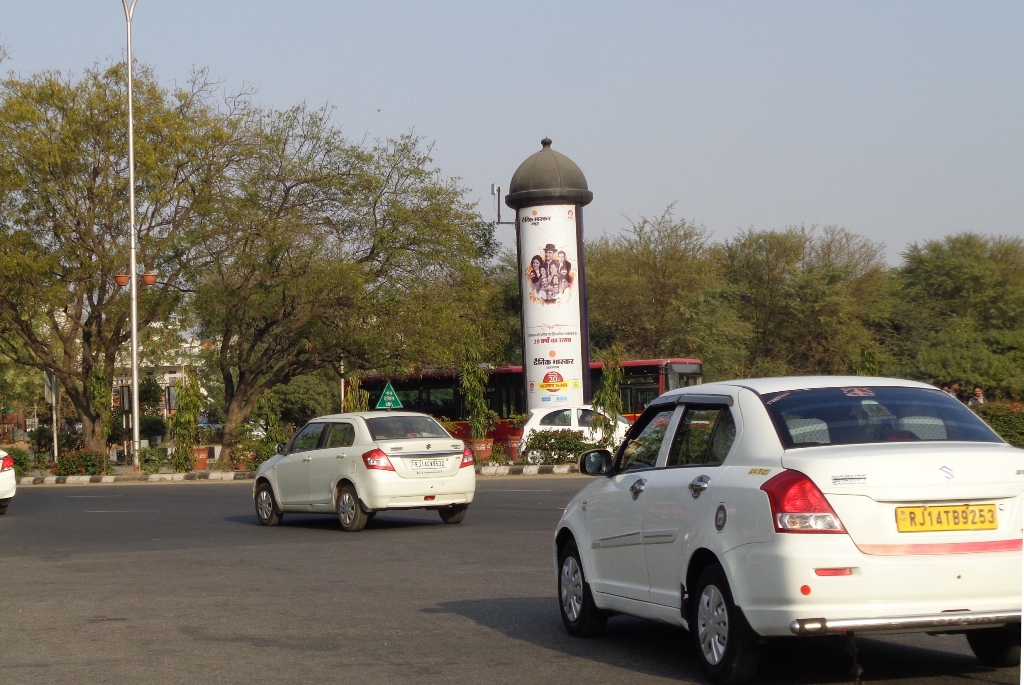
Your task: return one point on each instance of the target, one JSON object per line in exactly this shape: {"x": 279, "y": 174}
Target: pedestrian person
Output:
{"x": 978, "y": 396}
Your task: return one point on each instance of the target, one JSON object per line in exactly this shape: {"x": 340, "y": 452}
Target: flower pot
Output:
{"x": 122, "y": 279}
{"x": 201, "y": 463}
{"x": 149, "y": 278}
{"x": 481, "y": 448}
{"x": 200, "y": 457}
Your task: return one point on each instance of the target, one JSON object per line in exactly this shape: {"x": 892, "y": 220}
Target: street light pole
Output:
{"x": 129, "y": 11}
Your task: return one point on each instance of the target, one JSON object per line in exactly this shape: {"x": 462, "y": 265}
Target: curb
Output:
{"x": 133, "y": 478}
{"x": 533, "y": 470}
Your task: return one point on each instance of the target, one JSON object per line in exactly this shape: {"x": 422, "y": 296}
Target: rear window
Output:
{"x": 402, "y": 427}
{"x": 852, "y": 416}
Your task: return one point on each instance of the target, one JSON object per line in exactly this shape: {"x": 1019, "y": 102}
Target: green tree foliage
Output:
{"x": 658, "y": 290}
{"x": 961, "y": 312}
{"x": 183, "y": 429}
{"x": 63, "y": 222}
{"x": 151, "y": 395}
{"x": 607, "y": 400}
{"x": 815, "y": 298}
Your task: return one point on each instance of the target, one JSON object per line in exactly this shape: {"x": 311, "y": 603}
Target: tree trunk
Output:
{"x": 93, "y": 434}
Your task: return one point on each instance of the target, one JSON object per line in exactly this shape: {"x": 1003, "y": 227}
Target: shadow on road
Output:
{"x": 665, "y": 651}
{"x": 330, "y": 522}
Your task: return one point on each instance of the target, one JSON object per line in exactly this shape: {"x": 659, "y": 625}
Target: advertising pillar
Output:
{"x": 548, "y": 192}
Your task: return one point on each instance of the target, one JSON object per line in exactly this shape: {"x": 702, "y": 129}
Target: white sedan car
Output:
{"x": 800, "y": 506}
{"x": 357, "y": 464}
{"x": 8, "y": 483}
{"x": 579, "y": 418}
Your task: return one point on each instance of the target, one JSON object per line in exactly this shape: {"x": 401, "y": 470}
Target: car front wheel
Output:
{"x": 266, "y": 508}
{"x": 726, "y": 645}
{"x": 580, "y": 615}
{"x": 996, "y": 647}
{"x": 350, "y": 513}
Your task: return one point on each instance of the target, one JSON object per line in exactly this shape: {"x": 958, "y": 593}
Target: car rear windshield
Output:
{"x": 852, "y": 416}
{"x": 402, "y": 427}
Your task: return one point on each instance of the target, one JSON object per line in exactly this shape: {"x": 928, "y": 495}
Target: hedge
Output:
{"x": 1005, "y": 419}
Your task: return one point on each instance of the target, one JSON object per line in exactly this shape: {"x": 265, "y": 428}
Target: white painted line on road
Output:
{"x": 122, "y": 511}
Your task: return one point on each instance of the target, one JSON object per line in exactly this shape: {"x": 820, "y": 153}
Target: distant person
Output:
{"x": 954, "y": 389}
{"x": 978, "y": 396}
{"x": 944, "y": 387}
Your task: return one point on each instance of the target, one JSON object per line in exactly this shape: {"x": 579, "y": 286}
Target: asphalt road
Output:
{"x": 178, "y": 583}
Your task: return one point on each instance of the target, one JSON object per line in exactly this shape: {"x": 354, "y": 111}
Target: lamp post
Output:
{"x": 129, "y": 11}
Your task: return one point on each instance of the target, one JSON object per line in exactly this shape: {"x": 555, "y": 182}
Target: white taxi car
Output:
{"x": 357, "y": 464}
{"x": 800, "y": 506}
{"x": 8, "y": 483}
{"x": 578, "y": 418}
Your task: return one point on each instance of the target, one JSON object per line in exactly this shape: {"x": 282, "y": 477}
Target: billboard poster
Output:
{"x": 552, "y": 356}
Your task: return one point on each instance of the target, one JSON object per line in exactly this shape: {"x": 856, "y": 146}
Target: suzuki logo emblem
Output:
{"x": 428, "y": 447}
{"x": 946, "y": 473}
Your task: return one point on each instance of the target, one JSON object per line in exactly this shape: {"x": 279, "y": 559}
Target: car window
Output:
{"x": 308, "y": 438}
{"x": 340, "y": 435}
{"x": 858, "y": 415}
{"x": 562, "y": 417}
{"x": 642, "y": 451}
{"x": 723, "y": 437}
{"x": 694, "y": 435}
{"x": 585, "y": 418}
{"x": 402, "y": 427}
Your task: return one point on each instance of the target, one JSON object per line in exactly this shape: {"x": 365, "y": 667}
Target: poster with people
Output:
{"x": 551, "y": 306}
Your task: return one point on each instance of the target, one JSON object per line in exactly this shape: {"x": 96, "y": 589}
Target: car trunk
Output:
{"x": 921, "y": 498}
{"x": 424, "y": 458}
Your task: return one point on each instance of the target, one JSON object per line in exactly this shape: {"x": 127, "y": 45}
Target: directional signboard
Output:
{"x": 389, "y": 399}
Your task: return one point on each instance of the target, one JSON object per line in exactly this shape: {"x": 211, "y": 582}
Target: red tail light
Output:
{"x": 798, "y": 506}
{"x": 467, "y": 458}
{"x": 6, "y": 464}
{"x": 377, "y": 459}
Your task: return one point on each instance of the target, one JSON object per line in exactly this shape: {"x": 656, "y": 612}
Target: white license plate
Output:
{"x": 421, "y": 464}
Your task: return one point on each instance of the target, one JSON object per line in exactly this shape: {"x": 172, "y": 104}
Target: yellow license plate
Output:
{"x": 962, "y": 517}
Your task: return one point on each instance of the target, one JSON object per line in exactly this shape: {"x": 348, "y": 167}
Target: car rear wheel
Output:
{"x": 996, "y": 647}
{"x": 726, "y": 645}
{"x": 3, "y": 505}
{"x": 580, "y": 615}
{"x": 454, "y": 514}
{"x": 266, "y": 508}
{"x": 350, "y": 513}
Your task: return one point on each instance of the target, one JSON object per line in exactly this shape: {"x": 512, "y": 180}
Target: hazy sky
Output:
{"x": 901, "y": 121}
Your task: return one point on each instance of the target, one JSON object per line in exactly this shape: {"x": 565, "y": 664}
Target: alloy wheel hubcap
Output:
{"x": 712, "y": 624}
{"x": 571, "y": 588}
{"x": 264, "y": 505}
{"x": 347, "y": 508}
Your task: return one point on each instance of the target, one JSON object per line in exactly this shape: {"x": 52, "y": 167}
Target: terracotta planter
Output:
{"x": 201, "y": 463}
{"x": 481, "y": 448}
{"x": 201, "y": 456}
{"x": 149, "y": 278}
{"x": 122, "y": 279}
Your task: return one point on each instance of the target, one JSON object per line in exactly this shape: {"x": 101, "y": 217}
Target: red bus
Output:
{"x": 437, "y": 392}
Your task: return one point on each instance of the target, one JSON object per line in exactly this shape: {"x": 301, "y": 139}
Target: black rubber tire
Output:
{"x": 267, "y": 511}
{"x": 737, "y": 663}
{"x": 454, "y": 514}
{"x": 574, "y": 592}
{"x": 996, "y": 647}
{"x": 350, "y": 512}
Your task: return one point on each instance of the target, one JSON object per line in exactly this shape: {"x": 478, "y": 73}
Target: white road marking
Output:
{"x": 121, "y": 511}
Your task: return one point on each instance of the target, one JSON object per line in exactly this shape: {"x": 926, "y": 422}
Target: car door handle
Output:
{"x": 699, "y": 485}
{"x": 637, "y": 488}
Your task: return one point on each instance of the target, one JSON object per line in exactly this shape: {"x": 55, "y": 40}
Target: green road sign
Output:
{"x": 389, "y": 400}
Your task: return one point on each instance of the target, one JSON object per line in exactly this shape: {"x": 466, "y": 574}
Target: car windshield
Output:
{"x": 402, "y": 427}
{"x": 851, "y": 416}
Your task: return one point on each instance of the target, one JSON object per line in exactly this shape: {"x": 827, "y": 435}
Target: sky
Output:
{"x": 902, "y": 122}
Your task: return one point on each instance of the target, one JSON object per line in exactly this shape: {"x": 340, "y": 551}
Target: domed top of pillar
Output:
{"x": 548, "y": 177}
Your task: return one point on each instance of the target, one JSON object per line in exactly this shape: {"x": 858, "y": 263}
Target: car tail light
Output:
{"x": 467, "y": 458}
{"x": 6, "y": 464}
{"x": 798, "y": 506}
{"x": 377, "y": 459}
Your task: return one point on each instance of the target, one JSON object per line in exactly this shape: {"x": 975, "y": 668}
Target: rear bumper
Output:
{"x": 8, "y": 484}
{"x": 387, "y": 490}
{"x": 950, "y": 621}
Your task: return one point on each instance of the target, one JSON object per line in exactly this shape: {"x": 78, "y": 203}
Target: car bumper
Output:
{"x": 778, "y": 583}
{"x": 8, "y": 484}
{"x": 952, "y": 621}
{"x": 387, "y": 490}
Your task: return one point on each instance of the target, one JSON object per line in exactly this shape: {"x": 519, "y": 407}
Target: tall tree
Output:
{"x": 64, "y": 222}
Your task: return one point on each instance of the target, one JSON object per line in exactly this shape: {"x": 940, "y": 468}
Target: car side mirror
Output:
{"x": 280, "y": 448}
{"x": 596, "y": 462}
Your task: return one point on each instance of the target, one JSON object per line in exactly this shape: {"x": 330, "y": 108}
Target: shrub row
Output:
{"x": 1005, "y": 419}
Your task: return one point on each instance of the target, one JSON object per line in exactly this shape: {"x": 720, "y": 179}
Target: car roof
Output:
{"x": 764, "y": 386}
{"x": 571, "y": 406}
{"x": 370, "y": 415}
